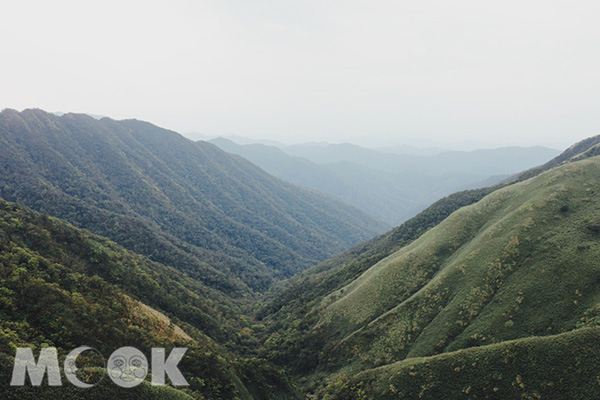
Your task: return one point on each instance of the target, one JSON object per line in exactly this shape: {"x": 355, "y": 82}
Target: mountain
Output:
{"x": 64, "y": 287}
{"x": 554, "y": 367}
{"x": 483, "y": 162}
{"x": 389, "y": 187}
{"x": 95, "y": 116}
{"x": 190, "y": 205}
{"x": 378, "y": 193}
{"x": 489, "y": 293}
{"x": 411, "y": 150}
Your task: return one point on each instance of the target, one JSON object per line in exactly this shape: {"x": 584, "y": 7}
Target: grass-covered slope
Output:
{"x": 520, "y": 262}
{"x": 309, "y": 287}
{"x": 193, "y": 206}
{"x": 523, "y": 261}
{"x": 64, "y": 287}
{"x": 291, "y": 309}
{"x": 557, "y": 367}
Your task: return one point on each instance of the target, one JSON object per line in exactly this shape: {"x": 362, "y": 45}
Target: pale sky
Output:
{"x": 372, "y": 72}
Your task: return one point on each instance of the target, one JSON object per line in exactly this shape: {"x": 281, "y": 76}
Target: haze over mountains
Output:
{"x": 121, "y": 233}
{"x": 390, "y": 187}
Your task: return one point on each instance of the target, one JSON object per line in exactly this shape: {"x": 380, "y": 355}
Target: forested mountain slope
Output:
{"x": 213, "y": 215}
{"x": 520, "y": 262}
{"x": 64, "y": 287}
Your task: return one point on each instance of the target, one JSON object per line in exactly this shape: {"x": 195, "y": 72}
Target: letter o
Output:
{"x": 70, "y": 367}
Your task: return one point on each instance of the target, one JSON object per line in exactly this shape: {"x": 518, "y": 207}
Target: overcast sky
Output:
{"x": 375, "y": 72}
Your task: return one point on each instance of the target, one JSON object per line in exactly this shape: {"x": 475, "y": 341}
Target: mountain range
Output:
{"x": 121, "y": 233}
{"x": 188, "y": 236}
{"x": 390, "y": 187}
{"x": 186, "y": 204}
{"x": 489, "y": 293}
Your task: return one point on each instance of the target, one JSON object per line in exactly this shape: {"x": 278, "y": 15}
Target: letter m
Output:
{"x": 24, "y": 361}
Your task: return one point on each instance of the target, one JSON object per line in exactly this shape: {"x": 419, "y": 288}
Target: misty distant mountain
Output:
{"x": 234, "y": 138}
{"x": 373, "y": 191}
{"x": 485, "y": 162}
{"x": 411, "y": 150}
{"x": 390, "y": 187}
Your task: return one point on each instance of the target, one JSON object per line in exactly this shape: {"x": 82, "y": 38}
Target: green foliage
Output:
{"x": 520, "y": 261}
{"x": 103, "y": 391}
{"x": 190, "y": 205}
{"x": 64, "y": 287}
{"x": 561, "y": 367}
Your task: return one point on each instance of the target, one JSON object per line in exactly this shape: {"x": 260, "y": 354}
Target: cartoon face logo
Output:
{"x": 127, "y": 367}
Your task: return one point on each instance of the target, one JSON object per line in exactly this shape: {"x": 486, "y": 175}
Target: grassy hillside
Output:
{"x": 289, "y": 309}
{"x": 521, "y": 262}
{"x": 64, "y": 287}
{"x": 554, "y": 367}
{"x": 213, "y": 215}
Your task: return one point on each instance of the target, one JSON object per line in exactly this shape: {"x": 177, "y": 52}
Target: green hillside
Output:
{"x": 520, "y": 262}
{"x": 64, "y": 287}
{"x": 487, "y": 294}
{"x": 213, "y": 215}
{"x": 475, "y": 278}
{"x": 561, "y": 366}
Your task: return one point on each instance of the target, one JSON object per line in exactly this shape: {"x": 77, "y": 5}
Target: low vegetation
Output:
{"x": 517, "y": 263}
{"x": 561, "y": 366}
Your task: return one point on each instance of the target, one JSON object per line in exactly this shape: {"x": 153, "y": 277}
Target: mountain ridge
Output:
{"x": 392, "y": 193}
{"x": 395, "y": 298}
{"x": 488, "y": 293}
{"x": 180, "y": 203}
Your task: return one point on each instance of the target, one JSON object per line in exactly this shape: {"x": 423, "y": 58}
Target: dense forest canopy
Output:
{"x": 189, "y": 205}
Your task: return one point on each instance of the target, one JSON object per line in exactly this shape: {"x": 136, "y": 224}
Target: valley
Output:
{"x": 119, "y": 233}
